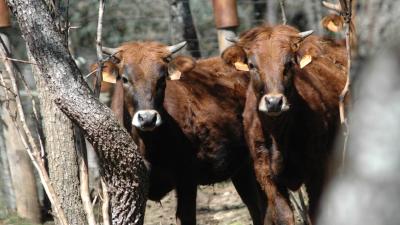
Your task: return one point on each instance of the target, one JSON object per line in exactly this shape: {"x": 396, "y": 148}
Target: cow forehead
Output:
{"x": 137, "y": 52}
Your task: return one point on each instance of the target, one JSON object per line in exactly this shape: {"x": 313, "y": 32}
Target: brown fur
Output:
{"x": 292, "y": 148}
{"x": 201, "y": 138}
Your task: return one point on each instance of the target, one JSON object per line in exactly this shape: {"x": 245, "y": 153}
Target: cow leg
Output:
{"x": 186, "y": 192}
{"x": 251, "y": 194}
{"x": 279, "y": 211}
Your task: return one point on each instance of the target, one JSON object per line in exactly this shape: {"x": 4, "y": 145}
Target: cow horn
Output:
{"x": 177, "y": 47}
{"x": 232, "y": 39}
{"x": 109, "y": 51}
{"x": 305, "y": 34}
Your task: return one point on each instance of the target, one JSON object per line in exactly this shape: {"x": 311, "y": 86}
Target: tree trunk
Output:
{"x": 21, "y": 168}
{"x": 182, "y": 27}
{"x": 61, "y": 150}
{"x": 61, "y": 154}
{"x": 122, "y": 166}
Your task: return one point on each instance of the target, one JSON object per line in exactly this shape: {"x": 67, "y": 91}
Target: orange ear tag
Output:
{"x": 175, "y": 75}
{"x": 305, "y": 61}
{"x": 109, "y": 78}
{"x": 241, "y": 66}
{"x": 332, "y": 27}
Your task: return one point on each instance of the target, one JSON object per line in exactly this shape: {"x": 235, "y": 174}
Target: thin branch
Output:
{"x": 346, "y": 6}
{"x": 106, "y": 204}
{"x": 27, "y": 138}
{"x": 84, "y": 189}
{"x": 282, "y": 4}
{"x": 99, "y": 52}
{"x": 99, "y": 79}
{"x": 19, "y": 60}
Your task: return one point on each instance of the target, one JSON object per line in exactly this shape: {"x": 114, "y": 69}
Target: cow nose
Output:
{"x": 146, "y": 119}
{"x": 274, "y": 103}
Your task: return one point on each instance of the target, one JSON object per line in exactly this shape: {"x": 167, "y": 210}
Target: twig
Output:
{"x": 19, "y": 60}
{"x": 84, "y": 189}
{"x": 27, "y": 138}
{"x": 99, "y": 79}
{"x": 282, "y": 4}
{"x": 99, "y": 52}
{"x": 345, "y": 11}
{"x": 106, "y": 204}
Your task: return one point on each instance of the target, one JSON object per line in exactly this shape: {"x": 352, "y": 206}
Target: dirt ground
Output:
{"x": 216, "y": 205}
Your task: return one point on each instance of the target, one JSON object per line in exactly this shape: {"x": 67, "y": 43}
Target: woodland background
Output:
{"x": 373, "y": 155}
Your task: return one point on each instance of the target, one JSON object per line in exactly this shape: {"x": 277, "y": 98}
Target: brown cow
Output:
{"x": 190, "y": 130}
{"x": 291, "y": 111}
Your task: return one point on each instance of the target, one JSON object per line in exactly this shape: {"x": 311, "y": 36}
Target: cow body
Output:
{"x": 200, "y": 139}
{"x": 291, "y": 113}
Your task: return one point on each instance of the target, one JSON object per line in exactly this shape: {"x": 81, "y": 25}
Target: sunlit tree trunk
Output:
{"x": 182, "y": 26}
{"x": 122, "y": 166}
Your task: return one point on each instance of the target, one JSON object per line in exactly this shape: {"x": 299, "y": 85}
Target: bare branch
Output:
{"x": 106, "y": 204}
{"x": 282, "y": 4}
{"x": 19, "y": 60}
{"x": 346, "y": 6}
{"x": 85, "y": 192}
{"x": 99, "y": 52}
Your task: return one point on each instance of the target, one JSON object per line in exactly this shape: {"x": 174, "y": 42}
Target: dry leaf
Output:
{"x": 241, "y": 66}
{"x": 109, "y": 78}
{"x": 305, "y": 61}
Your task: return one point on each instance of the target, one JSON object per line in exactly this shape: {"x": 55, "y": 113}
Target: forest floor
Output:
{"x": 216, "y": 205}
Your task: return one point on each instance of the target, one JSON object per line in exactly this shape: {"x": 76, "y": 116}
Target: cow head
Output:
{"x": 144, "y": 68}
{"x": 270, "y": 56}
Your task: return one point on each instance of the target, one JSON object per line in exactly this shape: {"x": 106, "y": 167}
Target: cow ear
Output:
{"x": 179, "y": 65}
{"x": 109, "y": 72}
{"x": 333, "y": 22}
{"x": 235, "y": 56}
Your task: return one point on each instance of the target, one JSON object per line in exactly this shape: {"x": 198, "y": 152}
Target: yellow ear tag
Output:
{"x": 241, "y": 66}
{"x": 109, "y": 78}
{"x": 305, "y": 61}
{"x": 175, "y": 75}
{"x": 332, "y": 27}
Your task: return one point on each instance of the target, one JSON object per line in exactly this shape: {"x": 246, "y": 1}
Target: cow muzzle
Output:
{"x": 273, "y": 104}
{"x": 146, "y": 120}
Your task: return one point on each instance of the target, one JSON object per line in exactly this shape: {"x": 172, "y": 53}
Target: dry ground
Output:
{"x": 216, "y": 205}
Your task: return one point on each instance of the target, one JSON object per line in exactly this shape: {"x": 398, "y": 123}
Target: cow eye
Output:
{"x": 251, "y": 65}
{"x": 124, "y": 78}
{"x": 168, "y": 59}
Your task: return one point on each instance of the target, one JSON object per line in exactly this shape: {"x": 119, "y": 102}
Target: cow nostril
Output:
{"x": 140, "y": 117}
{"x": 154, "y": 118}
{"x": 280, "y": 101}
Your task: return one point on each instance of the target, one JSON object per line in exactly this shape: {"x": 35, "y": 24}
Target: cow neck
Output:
{"x": 278, "y": 127}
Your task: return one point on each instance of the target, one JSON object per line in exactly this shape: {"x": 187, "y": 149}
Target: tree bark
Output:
{"x": 61, "y": 148}
{"x": 122, "y": 166}
{"x": 21, "y": 168}
{"x": 182, "y": 27}
{"x": 60, "y": 153}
